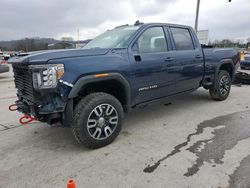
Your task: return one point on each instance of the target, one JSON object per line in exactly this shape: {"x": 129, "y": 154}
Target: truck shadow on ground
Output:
{"x": 162, "y": 108}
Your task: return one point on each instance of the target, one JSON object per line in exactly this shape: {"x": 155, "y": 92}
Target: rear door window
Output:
{"x": 182, "y": 38}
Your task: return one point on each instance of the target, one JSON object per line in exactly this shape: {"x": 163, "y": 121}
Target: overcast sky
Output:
{"x": 59, "y": 18}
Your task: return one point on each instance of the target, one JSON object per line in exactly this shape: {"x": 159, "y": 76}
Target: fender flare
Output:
{"x": 83, "y": 81}
{"x": 223, "y": 62}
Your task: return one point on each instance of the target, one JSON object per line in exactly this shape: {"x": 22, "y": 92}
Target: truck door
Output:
{"x": 149, "y": 58}
{"x": 188, "y": 58}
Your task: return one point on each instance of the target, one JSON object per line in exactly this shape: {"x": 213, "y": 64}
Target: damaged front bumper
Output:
{"x": 46, "y": 105}
{"x": 51, "y": 109}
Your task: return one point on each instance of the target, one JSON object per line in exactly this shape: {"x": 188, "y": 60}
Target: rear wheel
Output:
{"x": 97, "y": 120}
{"x": 222, "y": 86}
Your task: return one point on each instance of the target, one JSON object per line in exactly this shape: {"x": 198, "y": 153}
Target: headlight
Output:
{"x": 46, "y": 76}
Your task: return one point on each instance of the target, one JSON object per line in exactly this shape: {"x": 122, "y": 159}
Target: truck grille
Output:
{"x": 23, "y": 83}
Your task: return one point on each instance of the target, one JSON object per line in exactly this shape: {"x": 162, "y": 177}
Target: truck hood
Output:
{"x": 45, "y": 56}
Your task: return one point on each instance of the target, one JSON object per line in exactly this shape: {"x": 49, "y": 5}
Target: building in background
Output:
{"x": 68, "y": 44}
{"x": 203, "y": 36}
{"x": 61, "y": 45}
{"x": 67, "y": 39}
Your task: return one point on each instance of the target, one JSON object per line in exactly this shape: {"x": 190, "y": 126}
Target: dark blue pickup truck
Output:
{"x": 89, "y": 89}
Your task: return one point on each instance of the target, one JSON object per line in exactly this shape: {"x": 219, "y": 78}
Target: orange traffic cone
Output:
{"x": 71, "y": 184}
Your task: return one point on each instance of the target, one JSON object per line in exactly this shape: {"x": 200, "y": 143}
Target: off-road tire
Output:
{"x": 82, "y": 113}
{"x": 215, "y": 91}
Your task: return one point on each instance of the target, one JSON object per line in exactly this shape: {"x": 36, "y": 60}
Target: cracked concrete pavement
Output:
{"x": 190, "y": 142}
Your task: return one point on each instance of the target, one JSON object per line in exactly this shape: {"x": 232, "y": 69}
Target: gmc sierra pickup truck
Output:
{"x": 90, "y": 89}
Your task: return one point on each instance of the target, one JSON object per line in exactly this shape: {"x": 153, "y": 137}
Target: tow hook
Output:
{"x": 26, "y": 119}
{"x": 13, "y": 107}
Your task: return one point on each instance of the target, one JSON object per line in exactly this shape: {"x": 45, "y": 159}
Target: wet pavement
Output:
{"x": 241, "y": 176}
{"x": 227, "y": 132}
{"x": 191, "y": 141}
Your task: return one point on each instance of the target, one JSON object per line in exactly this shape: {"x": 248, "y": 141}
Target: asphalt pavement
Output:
{"x": 191, "y": 141}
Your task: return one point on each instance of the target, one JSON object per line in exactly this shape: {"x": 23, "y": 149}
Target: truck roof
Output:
{"x": 167, "y": 24}
{"x": 141, "y": 24}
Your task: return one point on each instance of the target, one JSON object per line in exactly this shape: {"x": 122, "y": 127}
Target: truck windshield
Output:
{"x": 115, "y": 38}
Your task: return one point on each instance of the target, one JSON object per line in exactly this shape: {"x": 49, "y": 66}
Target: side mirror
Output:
{"x": 135, "y": 50}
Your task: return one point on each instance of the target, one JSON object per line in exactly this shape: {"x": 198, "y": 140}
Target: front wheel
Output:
{"x": 97, "y": 120}
{"x": 222, "y": 86}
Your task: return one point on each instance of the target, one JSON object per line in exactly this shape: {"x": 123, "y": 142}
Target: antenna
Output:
{"x": 138, "y": 22}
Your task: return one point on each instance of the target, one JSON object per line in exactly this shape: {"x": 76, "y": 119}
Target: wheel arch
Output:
{"x": 227, "y": 65}
{"x": 105, "y": 84}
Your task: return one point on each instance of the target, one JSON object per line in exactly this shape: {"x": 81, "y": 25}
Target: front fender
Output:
{"x": 83, "y": 81}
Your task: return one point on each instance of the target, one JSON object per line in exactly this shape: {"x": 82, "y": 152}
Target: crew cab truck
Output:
{"x": 89, "y": 89}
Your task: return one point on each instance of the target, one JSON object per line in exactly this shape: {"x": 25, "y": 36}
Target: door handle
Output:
{"x": 198, "y": 56}
{"x": 137, "y": 58}
{"x": 168, "y": 59}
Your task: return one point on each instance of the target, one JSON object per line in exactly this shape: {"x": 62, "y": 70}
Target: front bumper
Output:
{"x": 45, "y": 105}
